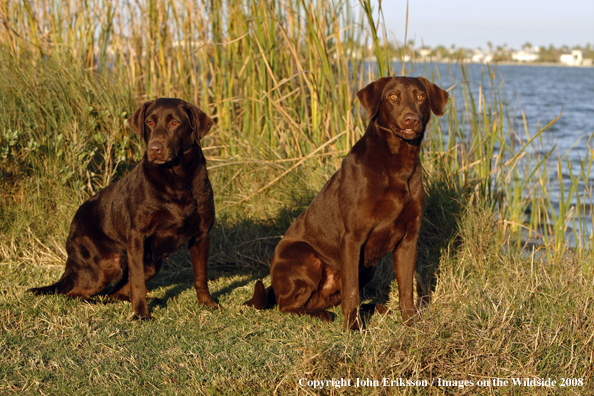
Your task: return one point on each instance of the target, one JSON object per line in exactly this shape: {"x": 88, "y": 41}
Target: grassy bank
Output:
{"x": 493, "y": 315}
{"x": 279, "y": 79}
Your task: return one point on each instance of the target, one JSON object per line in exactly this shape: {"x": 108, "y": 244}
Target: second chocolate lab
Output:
{"x": 122, "y": 234}
{"x": 370, "y": 207}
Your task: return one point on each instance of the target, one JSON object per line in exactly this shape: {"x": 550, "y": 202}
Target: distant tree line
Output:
{"x": 499, "y": 53}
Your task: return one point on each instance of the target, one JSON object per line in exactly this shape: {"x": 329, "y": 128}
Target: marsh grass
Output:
{"x": 279, "y": 78}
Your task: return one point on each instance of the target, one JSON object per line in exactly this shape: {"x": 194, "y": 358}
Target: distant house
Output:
{"x": 480, "y": 56}
{"x": 424, "y": 53}
{"x": 524, "y": 56}
{"x": 576, "y": 58}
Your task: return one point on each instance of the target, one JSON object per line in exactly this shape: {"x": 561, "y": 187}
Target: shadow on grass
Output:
{"x": 241, "y": 247}
{"x": 439, "y": 231}
{"x": 244, "y": 248}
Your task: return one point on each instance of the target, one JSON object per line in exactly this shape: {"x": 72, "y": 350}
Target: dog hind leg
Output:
{"x": 298, "y": 279}
{"x": 91, "y": 279}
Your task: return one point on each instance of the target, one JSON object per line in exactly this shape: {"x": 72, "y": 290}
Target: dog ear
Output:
{"x": 438, "y": 98}
{"x": 137, "y": 120}
{"x": 201, "y": 123}
{"x": 371, "y": 96}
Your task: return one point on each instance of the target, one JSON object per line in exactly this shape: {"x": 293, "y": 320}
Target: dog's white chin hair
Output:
{"x": 404, "y": 133}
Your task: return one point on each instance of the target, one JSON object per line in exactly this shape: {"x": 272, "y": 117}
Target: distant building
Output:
{"x": 573, "y": 59}
{"x": 576, "y": 58}
{"x": 424, "y": 53}
{"x": 480, "y": 56}
{"x": 524, "y": 56}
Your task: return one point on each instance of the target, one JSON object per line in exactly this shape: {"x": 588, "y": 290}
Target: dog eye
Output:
{"x": 420, "y": 97}
{"x": 149, "y": 122}
{"x": 393, "y": 96}
{"x": 174, "y": 123}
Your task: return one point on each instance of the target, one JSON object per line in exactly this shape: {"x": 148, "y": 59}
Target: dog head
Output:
{"x": 403, "y": 105}
{"x": 169, "y": 127}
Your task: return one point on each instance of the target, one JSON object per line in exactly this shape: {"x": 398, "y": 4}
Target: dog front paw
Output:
{"x": 380, "y": 309}
{"x": 323, "y": 315}
{"x": 208, "y": 302}
{"x": 352, "y": 321}
{"x": 138, "y": 316}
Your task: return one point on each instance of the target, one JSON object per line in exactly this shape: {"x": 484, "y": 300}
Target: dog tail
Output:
{"x": 263, "y": 297}
{"x": 62, "y": 286}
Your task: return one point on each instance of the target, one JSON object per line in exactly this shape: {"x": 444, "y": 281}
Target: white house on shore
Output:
{"x": 524, "y": 56}
{"x": 573, "y": 59}
{"x": 480, "y": 56}
{"x": 576, "y": 58}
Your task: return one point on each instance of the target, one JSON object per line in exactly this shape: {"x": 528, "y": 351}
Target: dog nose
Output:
{"x": 155, "y": 149}
{"x": 411, "y": 119}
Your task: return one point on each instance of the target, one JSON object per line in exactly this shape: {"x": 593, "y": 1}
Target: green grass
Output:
{"x": 279, "y": 78}
{"x": 493, "y": 314}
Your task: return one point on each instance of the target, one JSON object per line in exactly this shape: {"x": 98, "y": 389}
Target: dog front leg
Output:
{"x": 405, "y": 260}
{"x": 350, "y": 283}
{"x": 199, "y": 254}
{"x": 136, "y": 276}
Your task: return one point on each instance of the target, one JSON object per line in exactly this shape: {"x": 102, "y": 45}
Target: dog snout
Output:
{"x": 411, "y": 120}
{"x": 156, "y": 151}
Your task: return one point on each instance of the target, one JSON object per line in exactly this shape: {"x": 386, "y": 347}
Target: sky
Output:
{"x": 472, "y": 23}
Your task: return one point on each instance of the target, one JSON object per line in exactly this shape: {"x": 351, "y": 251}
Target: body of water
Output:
{"x": 540, "y": 94}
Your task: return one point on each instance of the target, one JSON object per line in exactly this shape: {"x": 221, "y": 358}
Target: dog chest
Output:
{"x": 386, "y": 235}
{"x": 170, "y": 228}
{"x": 382, "y": 241}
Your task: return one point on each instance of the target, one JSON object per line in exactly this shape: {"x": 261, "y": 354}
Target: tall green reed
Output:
{"x": 279, "y": 78}
{"x": 507, "y": 167}
{"x": 279, "y": 74}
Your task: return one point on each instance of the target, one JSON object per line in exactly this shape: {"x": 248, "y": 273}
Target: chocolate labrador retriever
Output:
{"x": 123, "y": 233}
{"x": 370, "y": 207}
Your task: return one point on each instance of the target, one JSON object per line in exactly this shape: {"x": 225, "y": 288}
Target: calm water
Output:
{"x": 542, "y": 93}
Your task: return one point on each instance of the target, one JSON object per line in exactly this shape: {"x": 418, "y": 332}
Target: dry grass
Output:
{"x": 279, "y": 77}
{"x": 495, "y": 313}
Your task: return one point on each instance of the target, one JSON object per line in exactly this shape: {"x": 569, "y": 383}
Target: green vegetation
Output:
{"x": 512, "y": 298}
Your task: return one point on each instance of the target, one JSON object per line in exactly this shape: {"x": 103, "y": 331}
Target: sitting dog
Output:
{"x": 123, "y": 233}
{"x": 370, "y": 207}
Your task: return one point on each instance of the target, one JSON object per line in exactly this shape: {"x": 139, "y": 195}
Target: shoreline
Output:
{"x": 466, "y": 61}
{"x": 544, "y": 64}
{"x": 503, "y": 63}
